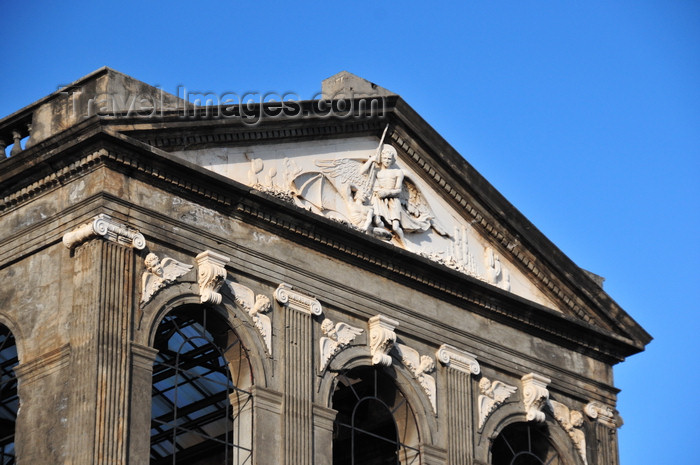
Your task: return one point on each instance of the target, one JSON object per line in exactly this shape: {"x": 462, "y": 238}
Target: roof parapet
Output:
{"x": 345, "y": 85}
{"x": 104, "y": 92}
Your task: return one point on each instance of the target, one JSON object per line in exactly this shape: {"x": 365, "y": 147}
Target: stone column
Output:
{"x": 103, "y": 253}
{"x": 605, "y": 424}
{"x": 298, "y": 374}
{"x": 459, "y": 366}
{"x": 323, "y": 435}
{"x": 142, "y": 359}
{"x": 44, "y": 412}
{"x": 267, "y": 410}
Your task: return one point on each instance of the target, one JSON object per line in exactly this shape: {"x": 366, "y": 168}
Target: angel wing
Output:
{"x": 409, "y": 356}
{"x": 328, "y": 348}
{"x": 315, "y": 189}
{"x": 346, "y": 172}
{"x": 173, "y": 269}
{"x": 245, "y": 297}
{"x": 486, "y": 404}
{"x": 562, "y": 414}
{"x": 346, "y": 333}
{"x": 416, "y": 212}
{"x": 150, "y": 284}
{"x": 501, "y": 391}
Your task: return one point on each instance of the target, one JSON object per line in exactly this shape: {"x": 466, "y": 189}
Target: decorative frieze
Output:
{"x": 535, "y": 396}
{"x": 601, "y": 412}
{"x": 571, "y": 421}
{"x": 159, "y": 274}
{"x": 104, "y": 226}
{"x": 460, "y": 360}
{"x": 256, "y": 306}
{"x": 211, "y": 275}
{"x": 381, "y": 339}
{"x": 286, "y": 295}
{"x": 493, "y": 394}
{"x": 337, "y": 337}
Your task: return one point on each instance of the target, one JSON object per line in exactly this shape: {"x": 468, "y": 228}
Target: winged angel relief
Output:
{"x": 374, "y": 195}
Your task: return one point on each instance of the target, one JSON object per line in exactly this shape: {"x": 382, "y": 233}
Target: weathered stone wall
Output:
{"x": 85, "y": 359}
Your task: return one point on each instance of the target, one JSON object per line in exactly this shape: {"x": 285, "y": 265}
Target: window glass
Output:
{"x": 375, "y": 424}
{"x": 201, "y": 410}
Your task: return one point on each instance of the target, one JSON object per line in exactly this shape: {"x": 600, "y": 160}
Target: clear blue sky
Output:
{"x": 585, "y": 115}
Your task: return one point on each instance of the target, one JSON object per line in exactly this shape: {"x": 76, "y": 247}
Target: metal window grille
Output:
{"x": 524, "y": 444}
{"x": 375, "y": 424}
{"x": 9, "y": 401}
{"x": 199, "y": 414}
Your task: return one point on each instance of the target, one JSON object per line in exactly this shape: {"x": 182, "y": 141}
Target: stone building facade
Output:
{"x": 316, "y": 282}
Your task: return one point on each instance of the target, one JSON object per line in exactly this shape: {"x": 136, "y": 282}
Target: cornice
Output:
{"x": 490, "y": 229}
{"x": 177, "y": 133}
{"x": 295, "y": 222}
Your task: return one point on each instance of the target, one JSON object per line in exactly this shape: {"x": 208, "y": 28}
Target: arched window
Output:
{"x": 9, "y": 401}
{"x": 375, "y": 424}
{"x": 201, "y": 405}
{"x": 524, "y": 444}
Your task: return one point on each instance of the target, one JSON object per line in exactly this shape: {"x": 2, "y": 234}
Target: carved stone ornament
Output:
{"x": 496, "y": 273}
{"x": 460, "y": 360}
{"x": 571, "y": 421}
{"x": 104, "y": 226}
{"x": 256, "y": 307}
{"x": 159, "y": 274}
{"x": 603, "y": 413}
{"x": 337, "y": 337}
{"x": 211, "y": 275}
{"x": 493, "y": 394}
{"x": 286, "y": 295}
{"x": 535, "y": 396}
{"x": 372, "y": 194}
{"x": 421, "y": 366}
{"x": 381, "y": 339}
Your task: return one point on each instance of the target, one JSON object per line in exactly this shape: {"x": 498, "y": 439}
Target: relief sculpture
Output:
{"x": 374, "y": 195}
{"x": 159, "y": 273}
{"x": 337, "y": 337}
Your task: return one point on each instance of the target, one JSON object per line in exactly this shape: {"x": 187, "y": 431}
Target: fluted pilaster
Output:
{"x": 298, "y": 375}
{"x": 460, "y": 365}
{"x": 100, "y": 352}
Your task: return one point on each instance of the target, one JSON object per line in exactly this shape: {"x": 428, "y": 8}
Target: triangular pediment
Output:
{"x": 327, "y": 159}
{"x": 342, "y": 179}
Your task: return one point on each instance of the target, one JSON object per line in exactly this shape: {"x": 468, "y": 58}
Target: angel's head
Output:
{"x": 327, "y": 326}
{"x": 388, "y": 156}
{"x": 151, "y": 261}
{"x": 484, "y": 385}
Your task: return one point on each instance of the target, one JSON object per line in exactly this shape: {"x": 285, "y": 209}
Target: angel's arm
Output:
{"x": 368, "y": 164}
